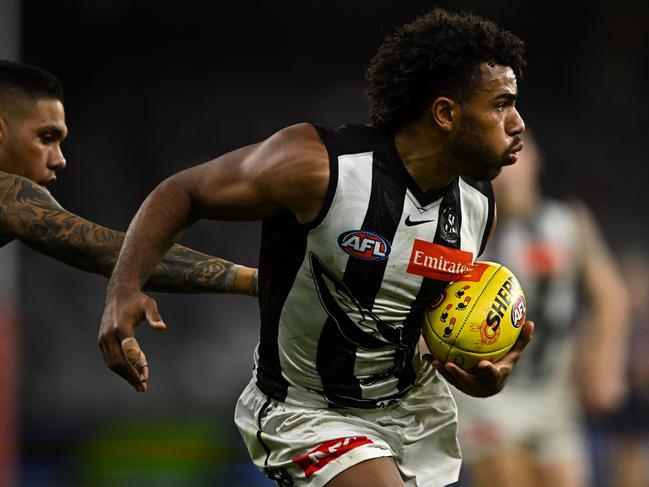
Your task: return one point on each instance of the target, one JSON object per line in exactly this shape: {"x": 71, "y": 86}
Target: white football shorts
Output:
{"x": 300, "y": 446}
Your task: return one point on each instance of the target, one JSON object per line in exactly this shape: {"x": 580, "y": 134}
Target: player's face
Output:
{"x": 489, "y": 131}
{"x": 30, "y": 141}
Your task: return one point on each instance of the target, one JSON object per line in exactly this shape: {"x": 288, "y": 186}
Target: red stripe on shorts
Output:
{"x": 328, "y": 451}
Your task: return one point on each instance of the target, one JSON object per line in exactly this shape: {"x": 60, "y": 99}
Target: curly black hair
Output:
{"x": 438, "y": 54}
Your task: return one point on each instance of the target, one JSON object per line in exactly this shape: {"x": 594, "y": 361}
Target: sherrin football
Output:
{"x": 478, "y": 317}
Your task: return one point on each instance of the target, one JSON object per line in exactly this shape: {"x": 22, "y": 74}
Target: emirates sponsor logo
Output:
{"x": 439, "y": 262}
{"x": 324, "y": 453}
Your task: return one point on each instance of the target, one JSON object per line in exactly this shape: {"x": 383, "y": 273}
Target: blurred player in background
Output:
{"x": 340, "y": 395}
{"x": 531, "y": 434}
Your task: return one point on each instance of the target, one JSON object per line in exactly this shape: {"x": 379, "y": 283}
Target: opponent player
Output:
{"x": 32, "y": 128}
{"x": 531, "y": 435}
{"x": 340, "y": 395}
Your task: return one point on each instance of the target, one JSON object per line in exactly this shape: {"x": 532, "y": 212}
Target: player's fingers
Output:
{"x": 487, "y": 367}
{"x": 119, "y": 364}
{"x": 153, "y": 315}
{"x": 523, "y": 340}
{"x": 457, "y": 372}
{"x": 525, "y": 337}
{"x": 135, "y": 363}
{"x": 439, "y": 365}
{"x": 135, "y": 357}
{"x": 128, "y": 373}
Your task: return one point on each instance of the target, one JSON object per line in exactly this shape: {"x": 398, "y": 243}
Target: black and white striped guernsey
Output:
{"x": 342, "y": 298}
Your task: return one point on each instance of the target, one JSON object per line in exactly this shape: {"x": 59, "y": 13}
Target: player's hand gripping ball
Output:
{"x": 478, "y": 317}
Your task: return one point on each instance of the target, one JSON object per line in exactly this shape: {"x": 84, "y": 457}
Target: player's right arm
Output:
{"x": 288, "y": 171}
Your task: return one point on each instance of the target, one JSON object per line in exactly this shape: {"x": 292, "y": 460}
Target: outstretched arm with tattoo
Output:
{"x": 30, "y": 214}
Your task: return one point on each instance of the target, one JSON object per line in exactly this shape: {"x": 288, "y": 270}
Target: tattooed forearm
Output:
{"x": 253, "y": 290}
{"x": 185, "y": 270}
{"x": 29, "y": 213}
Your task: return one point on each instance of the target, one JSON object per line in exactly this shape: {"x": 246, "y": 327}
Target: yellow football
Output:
{"x": 478, "y": 317}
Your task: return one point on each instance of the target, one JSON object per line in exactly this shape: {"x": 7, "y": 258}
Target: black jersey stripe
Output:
{"x": 279, "y": 263}
{"x": 333, "y": 177}
{"x": 450, "y": 218}
{"x": 336, "y": 356}
{"x": 430, "y": 288}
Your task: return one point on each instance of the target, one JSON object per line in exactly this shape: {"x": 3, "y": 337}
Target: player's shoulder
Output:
{"x": 351, "y": 138}
{"x": 301, "y": 135}
{"x": 296, "y": 147}
{"x": 315, "y": 135}
{"x": 291, "y": 167}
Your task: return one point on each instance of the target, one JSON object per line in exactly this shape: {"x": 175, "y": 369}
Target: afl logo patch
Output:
{"x": 364, "y": 245}
{"x": 518, "y": 312}
{"x": 449, "y": 224}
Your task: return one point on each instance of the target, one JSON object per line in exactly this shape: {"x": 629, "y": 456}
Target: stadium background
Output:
{"x": 154, "y": 87}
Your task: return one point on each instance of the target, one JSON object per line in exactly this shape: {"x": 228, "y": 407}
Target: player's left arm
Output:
{"x": 29, "y": 213}
{"x": 601, "y": 349}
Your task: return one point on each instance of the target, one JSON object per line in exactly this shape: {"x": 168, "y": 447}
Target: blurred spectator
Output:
{"x": 532, "y": 433}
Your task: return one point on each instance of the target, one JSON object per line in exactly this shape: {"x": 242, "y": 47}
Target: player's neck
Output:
{"x": 424, "y": 155}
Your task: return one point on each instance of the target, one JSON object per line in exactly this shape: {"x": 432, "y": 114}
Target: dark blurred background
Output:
{"x": 155, "y": 87}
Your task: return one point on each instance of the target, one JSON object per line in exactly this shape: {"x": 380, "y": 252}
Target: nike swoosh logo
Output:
{"x": 410, "y": 223}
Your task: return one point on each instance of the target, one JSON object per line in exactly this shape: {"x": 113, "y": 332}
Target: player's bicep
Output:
{"x": 230, "y": 187}
{"x": 288, "y": 171}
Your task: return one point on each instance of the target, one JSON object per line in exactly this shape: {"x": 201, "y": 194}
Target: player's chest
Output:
{"x": 415, "y": 243}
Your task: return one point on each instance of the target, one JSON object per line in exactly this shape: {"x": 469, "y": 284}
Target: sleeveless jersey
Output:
{"x": 544, "y": 253}
{"x": 341, "y": 298}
